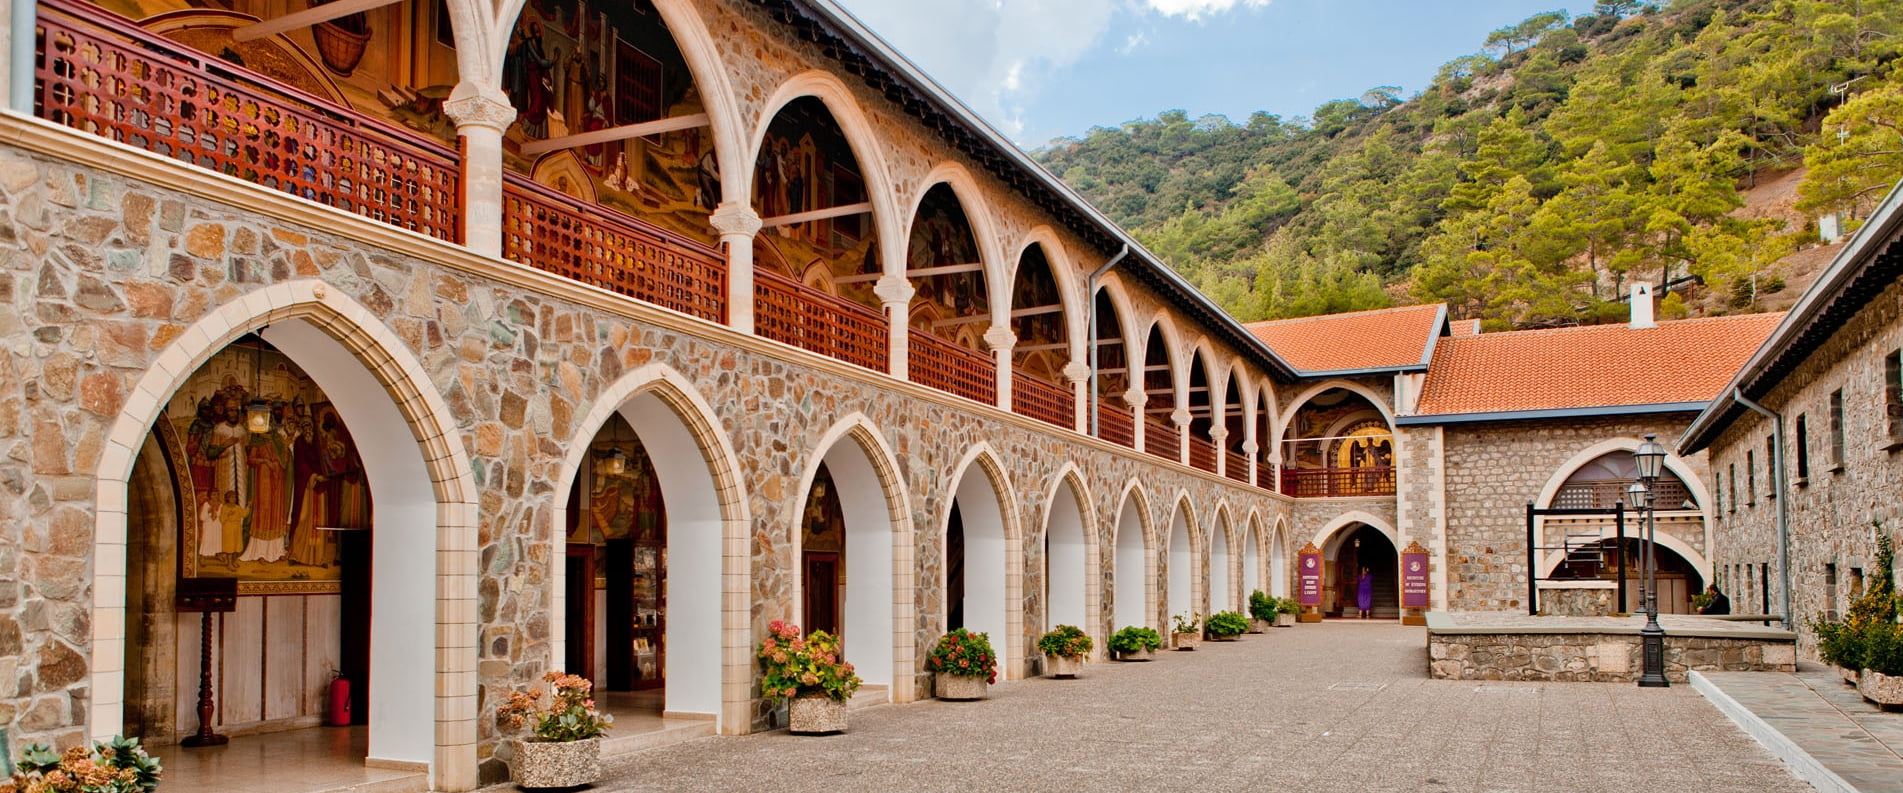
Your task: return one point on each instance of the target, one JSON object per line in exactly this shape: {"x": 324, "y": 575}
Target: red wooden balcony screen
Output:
{"x": 1160, "y": 438}
{"x": 1115, "y": 423}
{"x": 1235, "y": 466}
{"x": 108, "y": 77}
{"x": 1265, "y": 475}
{"x": 1202, "y": 454}
{"x": 952, "y": 368}
{"x": 554, "y": 232}
{"x": 1323, "y": 482}
{"x": 1041, "y": 400}
{"x": 788, "y": 311}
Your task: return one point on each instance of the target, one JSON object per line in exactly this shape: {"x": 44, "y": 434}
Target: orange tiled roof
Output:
{"x": 1594, "y": 366}
{"x": 1383, "y": 339}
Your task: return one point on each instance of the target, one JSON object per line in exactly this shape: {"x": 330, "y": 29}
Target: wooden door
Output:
{"x": 822, "y": 592}
{"x": 580, "y": 633}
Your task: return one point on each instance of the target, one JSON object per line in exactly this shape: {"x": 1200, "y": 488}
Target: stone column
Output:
{"x": 1079, "y": 376}
{"x": 737, "y": 223}
{"x": 1218, "y": 434}
{"x": 1136, "y": 398}
{"x": 895, "y": 293}
{"x": 482, "y": 113}
{"x": 1249, "y": 449}
{"x": 1001, "y": 341}
{"x": 1180, "y": 417}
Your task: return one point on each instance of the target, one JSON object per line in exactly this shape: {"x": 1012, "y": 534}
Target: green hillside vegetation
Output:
{"x": 1528, "y": 185}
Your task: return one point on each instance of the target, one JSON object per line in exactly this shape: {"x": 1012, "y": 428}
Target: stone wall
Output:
{"x": 1831, "y": 511}
{"x": 1595, "y": 657}
{"x": 1493, "y": 469}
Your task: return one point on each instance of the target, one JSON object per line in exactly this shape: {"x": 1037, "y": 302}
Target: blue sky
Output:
{"x": 1039, "y": 69}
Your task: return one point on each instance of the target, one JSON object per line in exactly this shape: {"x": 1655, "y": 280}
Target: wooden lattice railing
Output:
{"x": 1235, "y": 466}
{"x": 1160, "y": 438}
{"x": 1604, "y": 493}
{"x": 788, "y": 311}
{"x": 1266, "y": 474}
{"x": 1202, "y": 453}
{"x": 1115, "y": 423}
{"x": 101, "y": 74}
{"x": 951, "y": 368}
{"x": 1042, "y": 400}
{"x": 575, "y": 239}
{"x": 1322, "y": 482}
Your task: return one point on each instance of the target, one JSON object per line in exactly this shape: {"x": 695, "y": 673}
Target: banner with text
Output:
{"x": 1414, "y": 577}
{"x": 1310, "y": 576}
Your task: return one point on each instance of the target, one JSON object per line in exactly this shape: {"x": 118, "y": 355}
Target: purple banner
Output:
{"x": 1310, "y": 575}
{"x": 1414, "y": 580}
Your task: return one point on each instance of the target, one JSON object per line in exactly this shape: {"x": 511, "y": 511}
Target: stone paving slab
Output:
{"x": 1822, "y": 727}
{"x": 1338, "y": 706}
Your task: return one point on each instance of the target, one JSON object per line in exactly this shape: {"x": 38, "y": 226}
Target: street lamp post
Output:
{"x": 1650, "y": 458}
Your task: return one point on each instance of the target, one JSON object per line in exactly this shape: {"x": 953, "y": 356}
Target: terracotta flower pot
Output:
{"x": 815, "y": 714}
{"x": 1186, "y": 641}
{"x": 959, "y": 687}
{"x": 1063, "y": 666}
{"x": 551, "y": 764}
{"x": 1137, "y": 655}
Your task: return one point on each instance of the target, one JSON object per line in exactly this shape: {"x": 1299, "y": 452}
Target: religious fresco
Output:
{"x": 805, "y": 164}
{"x": 624, "y": 504}
{"x": 942, "y": 238}
{"x": 1330, "y": 415}
{"x": 574, "y": 68}
{"x": 263, "y": 507}
{"x": 1040, "y": 350}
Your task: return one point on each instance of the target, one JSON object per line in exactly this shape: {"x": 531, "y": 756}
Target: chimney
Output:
{"x": 1641, "y": 304}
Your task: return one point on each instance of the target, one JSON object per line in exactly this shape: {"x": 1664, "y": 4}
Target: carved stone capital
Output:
{"x": 1180, "y": 417}
{"x": 484, "y": 107}
{"x": 1076, "y": 372}
{"x": 1135, "y": 397}
{"x": 1218, "y": 434}
{"x": 1000, "y": 337}
{"x": 735, "y": 219}
{"x": 891, "y": 289}
{"x": 1250, "y": 447}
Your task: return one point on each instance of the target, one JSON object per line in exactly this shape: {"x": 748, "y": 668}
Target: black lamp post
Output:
{"x": 1650, "y": 458}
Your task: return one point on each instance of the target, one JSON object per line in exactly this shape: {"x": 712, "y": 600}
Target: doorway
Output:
{"x": 1364, "y": 548}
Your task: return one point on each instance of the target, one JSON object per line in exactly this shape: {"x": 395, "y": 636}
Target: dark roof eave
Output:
{"x": 1402, "y": 369}
{"x": 862, "y": 52}
{"x": 1550, "y": 413}
{"x": 1848, "y": 283}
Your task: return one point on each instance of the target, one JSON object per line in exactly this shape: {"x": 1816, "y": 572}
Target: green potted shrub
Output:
{"x": 564, "y": 747}
{"x": 1839, "y": 646}
{"x": 810, "y": 674}
{"x": 116, "y": 766}
{"x": 1882, "y": 650}
{"x": 963, "y": 665}
{"x": 1065, "y": 650}
{"x": 1262, "y": 612}
{"x": 1225, "y": 626}
{"x": 1186, "y": 631}
{"x": 1286, "y": 610}
{"x": 1135, "y": 643}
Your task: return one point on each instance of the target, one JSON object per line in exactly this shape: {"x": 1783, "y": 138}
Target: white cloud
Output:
{"x": 1133, "y": 43}
{"x": 1197, "y": 9}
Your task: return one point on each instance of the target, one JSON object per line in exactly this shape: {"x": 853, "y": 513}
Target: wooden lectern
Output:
{"x": 207, "y": 596}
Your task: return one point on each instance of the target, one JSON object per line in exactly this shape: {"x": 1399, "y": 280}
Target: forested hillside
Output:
{"x": 1530, "y": 183}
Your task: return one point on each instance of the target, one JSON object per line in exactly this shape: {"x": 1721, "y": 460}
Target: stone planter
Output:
{"x": 1849, "y": 675}
{"x": 548, "y": 764}
{"x": 1880, "y": 688}
{"x": 1186, "y": 641}
{"x": 1138, "y": 655}
{"x": 815, "y": 715}
{"x": 1258, "y": 626}
{"x": 1063, "y": 666}
{"x": 959, "y": 687}
{"x": 1224, "y": 638}
{"x": 1284, "y": 620}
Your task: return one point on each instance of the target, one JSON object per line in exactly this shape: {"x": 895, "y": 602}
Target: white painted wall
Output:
{"x": 1251, "y": 564}
{"x": 1180, "y": 572}
{"x": 403, "y": 546}
{"x": 693, "y": 555}
{"x": 1219, "y": 596}
{"x": 1132, "y": 596}
{"x": 1278, "y": 570}
{"x": 868, "y": 632}
{"x": 984, "y": 556}
{"x": 1064, "y": 544}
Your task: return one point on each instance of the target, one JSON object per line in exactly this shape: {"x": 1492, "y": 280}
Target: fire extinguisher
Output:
{"x": 338, "y": 714}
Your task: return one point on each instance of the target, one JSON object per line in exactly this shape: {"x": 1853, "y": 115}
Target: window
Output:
{"x": 1837, "y": 430}
{"x": 1733, "y": 487}
{"x": 1770, "y": 466}
{"x": 1764, "y": 588}
{"x": 1750, "y": 478}
{"x": 1893, "y": 398}
{"x": 1803, "y": 451}
{"x": 1856, "y": 583}
{"x": 1830, "y": 591}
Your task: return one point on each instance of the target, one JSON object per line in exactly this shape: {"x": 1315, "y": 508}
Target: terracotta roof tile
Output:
{"x": 1592, "y": 366}
{"x": 1382, "y": 339}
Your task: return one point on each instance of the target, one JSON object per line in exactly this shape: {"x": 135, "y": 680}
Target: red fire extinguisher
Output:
{"x": 338, "y": 714}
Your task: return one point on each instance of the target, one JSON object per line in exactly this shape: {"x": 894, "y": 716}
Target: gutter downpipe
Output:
{"x": 23, "y": 20}
{"x": 1091, "y": 311}
{"x": 1783, "y": 502}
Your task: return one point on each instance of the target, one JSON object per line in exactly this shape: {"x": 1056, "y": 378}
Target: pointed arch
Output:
{"x": 994, "y": 582}
{"x": 1255, "y": 556}
{"x": 880, "y": 584}
{"x": 983, "y": 230}
{"x": 1073, "y": 562}
{"x": 1070, "y": 290}
{"x": 1306, "y": 394}
{"x": 1673, "y": 462}
{"x": 410, "y": 446}
{"x": 866, "y": 150}
{"x": 1185, "y": 557}
{"x": 1281, "y": 557}
{"x": 1133, "y": 574}
{"x": 708, "y": 535}
{"x": 1220, "y": 551}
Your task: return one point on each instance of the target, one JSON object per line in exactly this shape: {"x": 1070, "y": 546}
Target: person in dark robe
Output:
{"x": 1719, "y": 603}
{"x": 1364, "y": 593}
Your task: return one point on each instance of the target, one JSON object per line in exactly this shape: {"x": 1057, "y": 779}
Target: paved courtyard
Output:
{"x": 1315, "y": 708}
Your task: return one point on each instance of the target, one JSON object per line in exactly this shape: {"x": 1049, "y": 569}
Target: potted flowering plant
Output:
{"x": 1135, "y": 643}
{"x": 1066, "y": 648}
{"x": 1285, "y": 611}
{"x": 811, "y": 674}
{"x": 116, "y": 766}
{"x": 1225, "y": 626}
{"x": 1262, "y": 611}
{"x": 1186, "y": 631}
{"x": 964, "y": 665}
{"x": 565, "y": 747}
